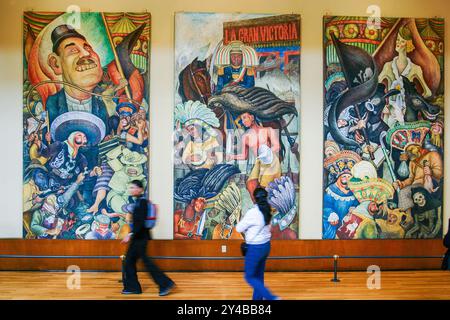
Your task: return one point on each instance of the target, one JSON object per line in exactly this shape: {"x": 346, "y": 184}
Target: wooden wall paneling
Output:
{"x": 213, "y": 249}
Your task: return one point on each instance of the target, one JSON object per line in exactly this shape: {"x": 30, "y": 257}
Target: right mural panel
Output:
{"x": 383, "y": 128}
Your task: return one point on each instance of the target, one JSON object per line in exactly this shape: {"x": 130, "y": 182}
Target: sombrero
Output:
{"x": 373, "y": 189}
{"x": 35, "y": 165}
{"x": 92, "y": 126}
{"x": 133, "y": 158}
{"x": 412, "y": 133}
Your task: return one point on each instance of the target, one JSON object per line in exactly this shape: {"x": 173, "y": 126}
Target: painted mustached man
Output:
{"x": 74, "y": 59}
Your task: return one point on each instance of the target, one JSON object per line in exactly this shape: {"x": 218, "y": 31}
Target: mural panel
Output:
{"x": 383, "y": 128}
{"x": 235, "y": 121}
{"x": 85, "y": 116}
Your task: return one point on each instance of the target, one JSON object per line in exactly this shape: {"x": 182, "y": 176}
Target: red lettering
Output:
{"x": 280, "y": 32}
{"x": 263, "y": 33}
{"x": 233, "y": 35}
{"x": 225, "y": 37}
{"x": 285, "y": 32}
{"x": 250, "y": 35}
{"x": 253, "y": 35}
{"x": 294, "y": 34}
{"x": 243, "y": 35}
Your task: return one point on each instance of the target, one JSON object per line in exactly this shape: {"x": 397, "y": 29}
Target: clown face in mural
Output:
{"x": 384, "y": 95}
{"x": 85, "y": 81}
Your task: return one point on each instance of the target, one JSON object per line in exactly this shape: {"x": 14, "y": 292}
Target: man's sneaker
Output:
{"x": 166, "y": 291}
{"x": 130, "y": 292}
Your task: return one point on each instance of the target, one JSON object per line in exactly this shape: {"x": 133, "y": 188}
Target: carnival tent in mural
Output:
{"x": 85, "y": 116}
{"x": 383, "y": 128}
{"x": 235, "y": 121}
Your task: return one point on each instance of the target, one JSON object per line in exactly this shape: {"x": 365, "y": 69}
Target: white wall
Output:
{"x": 162, "y": 92}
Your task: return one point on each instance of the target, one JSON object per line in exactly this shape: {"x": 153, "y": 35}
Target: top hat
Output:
{"x": 63, "y": 32}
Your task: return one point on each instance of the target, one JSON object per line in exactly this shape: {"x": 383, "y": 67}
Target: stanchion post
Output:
{"x": 122, "y": 262}
{"x": 335, "y": 269}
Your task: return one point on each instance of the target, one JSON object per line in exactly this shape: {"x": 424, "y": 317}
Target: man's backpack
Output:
{"x": 150, "y": 219}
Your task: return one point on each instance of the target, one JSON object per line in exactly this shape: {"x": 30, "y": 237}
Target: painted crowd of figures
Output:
{"x": 85, "y": 123}
{"x": 236, "y": 124}
{"x": 231, "y": 133}
{"x": 383, "y": 151}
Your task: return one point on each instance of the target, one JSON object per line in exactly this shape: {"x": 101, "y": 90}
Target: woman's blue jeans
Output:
{"x": 255, "y": 263}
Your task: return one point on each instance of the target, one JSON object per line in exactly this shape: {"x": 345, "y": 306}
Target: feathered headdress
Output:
{"x": 282, "y": 197}
{"x": 195, "y": 112}
{"x": 230, "y": 201}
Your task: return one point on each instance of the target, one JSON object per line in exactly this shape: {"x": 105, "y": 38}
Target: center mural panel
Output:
{"x": 383, "y": 128}
{"x": 236, "y": 125}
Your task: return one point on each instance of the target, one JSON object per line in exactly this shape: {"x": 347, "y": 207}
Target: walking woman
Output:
{"x": 256, "y": 226}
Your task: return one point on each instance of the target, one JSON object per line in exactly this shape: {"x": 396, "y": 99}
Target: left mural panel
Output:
{"x": 85, "y": 121}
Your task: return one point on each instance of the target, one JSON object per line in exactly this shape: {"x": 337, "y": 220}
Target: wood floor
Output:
{"x": 230, "y": 285}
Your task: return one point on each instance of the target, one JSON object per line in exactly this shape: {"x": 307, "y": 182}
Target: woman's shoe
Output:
{"x": 131, "y": 292}
{"x": 166, "y": 291}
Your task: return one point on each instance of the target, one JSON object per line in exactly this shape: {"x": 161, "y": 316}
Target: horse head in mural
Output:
{"x": 195, "y": 82}
{"x": 416, "y": 105}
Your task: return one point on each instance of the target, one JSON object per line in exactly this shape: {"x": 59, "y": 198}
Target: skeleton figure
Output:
{"x": 427, "y": 215}
{"x": 419, "y": 199}
{"x": 363, "y": 76}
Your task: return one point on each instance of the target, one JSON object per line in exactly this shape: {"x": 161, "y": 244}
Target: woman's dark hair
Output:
{"x": 138, "y": 183}
{"x": 260, "y": 195}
